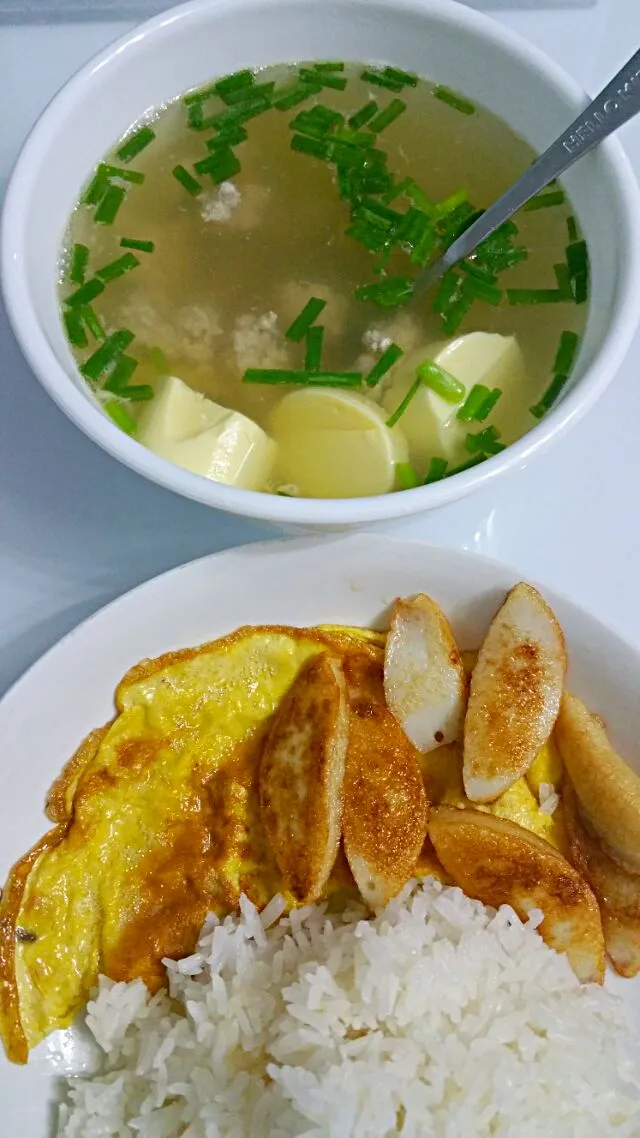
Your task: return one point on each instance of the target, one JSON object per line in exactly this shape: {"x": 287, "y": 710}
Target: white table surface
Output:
{"x": 77, "y": 529}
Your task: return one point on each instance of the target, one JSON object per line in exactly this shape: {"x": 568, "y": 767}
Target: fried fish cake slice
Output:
{"x": 385, "y": 805}
{"x": 424, "y": 677}
{"x": 302, "y": 776}
{"x": 608, "y": 790}
{"x": 617, "y": 890}
{"x": 499, "y": 863}
{"x": 516, "y": 688}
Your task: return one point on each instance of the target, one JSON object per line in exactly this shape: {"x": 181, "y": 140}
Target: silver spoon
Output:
{"x": 615, "y": 105}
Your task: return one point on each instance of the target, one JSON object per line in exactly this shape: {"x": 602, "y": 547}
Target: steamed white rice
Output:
{"x": 438, "y": 1018}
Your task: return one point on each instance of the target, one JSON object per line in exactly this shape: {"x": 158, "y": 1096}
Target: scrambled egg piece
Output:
{"x": 442, "y": 774}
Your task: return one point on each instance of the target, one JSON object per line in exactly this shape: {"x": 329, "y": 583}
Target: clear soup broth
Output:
{"x": 236, "y": 283}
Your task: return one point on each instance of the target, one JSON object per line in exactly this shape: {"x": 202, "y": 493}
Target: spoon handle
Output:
{"x": 618, "y": 102}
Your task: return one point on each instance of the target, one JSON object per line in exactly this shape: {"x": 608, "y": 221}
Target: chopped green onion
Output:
{"x": 449, "y": 205}
{"x": 452, "y": 99}
{"x": 159, "y": 361}
{"x": 389, "y": 293}
{"x": 381, "y": 79}
{"x": 549, "y": 397}
{"x": 362, "y": 139}
{"x": 487, "y": 407}
{"x": 423, "y": 247}
{"x": 195, "y": 117}
{"x": 474, "y": 403}
{"x": 577, "y": 258}
{"x": 200, "y": 95}
{"x": 398, "y": 189}
{"x": 566, "y": 353}
{"x": 187, "y": 180}
{"x": 85, "y": 294}
{"x": 118, "y": 268}
{"x": 377, "y": 212}
{"x": 330, "y": 65}
{"x": 138, "y": 393}
{"x": 312, "y": 309}
{"x": 96, "y": 187}
{"x": 578, "y": 264}
{"x": 406, "y": 476}
{"x": 448, "y": 291}
{"x": 484, "y": 442}
{"x": 120, "y": 416}
{"x": 109, "y": 205}
{"x": 74, "y": 327}
{"x": 303, "y": 378}
{"x": 318, "y": 148}
{"x": 581, "y": 288}
{"x": 238, "y": 81}
{"x": 92, "y": 323}
{"x": 364, "y": 115}
{"x": 121, "y": 374}
{"x": 240, "y": 114}
{"x": 384, "y": 364}
{"x": 405, "y": 77}
{"x": 78, "y": 262}
{"x": 535, "y": 296}
{"x": 389, "y": 115}
{"x": 419, "y": 198}
{"x": 572, "y": 229}
{"x": 452, "y": 319}
{"x": 316, "y": 122}
{"x": 413, "y": 224}
{"x": 478, "y": 271}
{"x": 231, "y": 135}
{"x": 477, "y": 458}
{"x": 133, "y": 176}
{"x": 292, "y": 97}
{"x": 221, "y": 165}
{"x": 543, "y": 201}
{"x": 442, "y": 382}
{"x": 324, "y": 78}
{"x": 135, "y": 144}
{"x": 313, "y": 357}
{"x": 481, "y": 290}
{"x": 479, "y": 404}
{"x": 248, "y": 94}
{"x": 102, "y": 359}
{"x": 134, "y": 243}
{"x": 372, "y": 237}
{"x": 401, "y": 408}
{"x": 437, "y": 470}
{"x": 563, "y": 279}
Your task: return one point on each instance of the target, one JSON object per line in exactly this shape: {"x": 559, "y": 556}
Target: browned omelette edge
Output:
{"x": 331, "y": 639}
{"x": 59, "y": 808}
{"x": 14, "y": 1038}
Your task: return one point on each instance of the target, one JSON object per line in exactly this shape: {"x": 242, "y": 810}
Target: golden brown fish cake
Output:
{"x": 385, "y": 806}
{"x": 302, "y": 776}
{"x": 424, "y": 677}
{"x": 617, "y": 890}
{"x": 500, "y": 863}
{"x": 516, "y": 687}
{"x": 141, "y": 854}
{"x": 607, "y": 788}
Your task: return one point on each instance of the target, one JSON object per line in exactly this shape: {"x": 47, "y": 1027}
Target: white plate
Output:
{"x": 348, "y": 580}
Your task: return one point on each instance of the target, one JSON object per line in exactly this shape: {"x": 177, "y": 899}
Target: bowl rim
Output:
{"x": 256, "y": 504}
